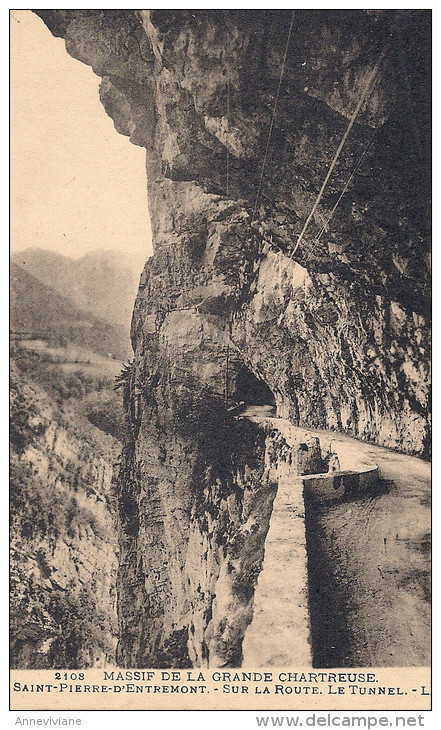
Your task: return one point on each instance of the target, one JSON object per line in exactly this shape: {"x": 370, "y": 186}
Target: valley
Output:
{"x": 67, "y": 426}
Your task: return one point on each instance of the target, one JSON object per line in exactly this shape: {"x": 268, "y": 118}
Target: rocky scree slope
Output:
{"x": 337, "y": 333}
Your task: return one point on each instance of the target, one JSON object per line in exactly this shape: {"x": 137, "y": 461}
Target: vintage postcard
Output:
{"x": 220, "y": 364}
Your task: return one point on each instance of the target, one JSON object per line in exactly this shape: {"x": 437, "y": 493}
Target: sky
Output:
{"x": 77, "y": 185}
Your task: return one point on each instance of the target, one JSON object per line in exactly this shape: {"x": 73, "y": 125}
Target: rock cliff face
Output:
{"x": 63, "y": 540}
{"x": 334, "y": 332}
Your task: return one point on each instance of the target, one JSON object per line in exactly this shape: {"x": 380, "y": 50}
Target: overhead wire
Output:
{"x": 325, "y": 226}
{"x": 363, "y": 97}
{"x": 273, "y": 116}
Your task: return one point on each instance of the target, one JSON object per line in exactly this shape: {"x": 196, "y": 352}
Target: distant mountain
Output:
{"x": 103, "y": 283}
{"x": 41, "y": 312}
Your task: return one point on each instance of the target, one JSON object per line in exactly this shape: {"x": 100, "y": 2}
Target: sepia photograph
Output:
{"x": 220, "y": 358}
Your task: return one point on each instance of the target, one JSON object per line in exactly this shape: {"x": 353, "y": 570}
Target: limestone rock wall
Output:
{"x": 338, "y": 331}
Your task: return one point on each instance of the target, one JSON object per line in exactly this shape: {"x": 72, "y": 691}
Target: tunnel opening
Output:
{"x": 251, "y": 391}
